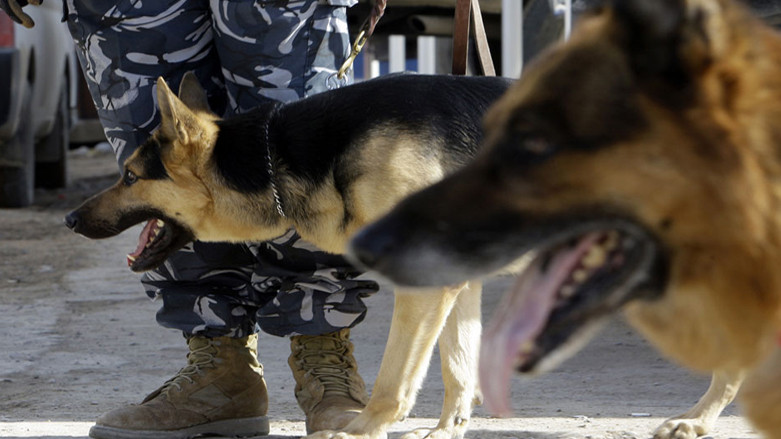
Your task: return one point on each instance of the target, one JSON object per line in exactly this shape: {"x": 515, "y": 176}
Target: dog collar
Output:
{"x": 270, "y": 161}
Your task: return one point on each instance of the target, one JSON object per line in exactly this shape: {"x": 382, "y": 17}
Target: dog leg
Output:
{"x": 760, "y": 397}
{"x": 459, "y": 348}
{"x": 699, "y": 419}
{"x": 418, "y": 318}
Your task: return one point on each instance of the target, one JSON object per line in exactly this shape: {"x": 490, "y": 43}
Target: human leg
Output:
{"x": 279, "y": 51}
{"x": 318, "y": 299}
{"x": 124, "y": 47}
{"x": 221, "y": 390}
{"x": 118, "y": 81}
{"x": 285, "y": 52}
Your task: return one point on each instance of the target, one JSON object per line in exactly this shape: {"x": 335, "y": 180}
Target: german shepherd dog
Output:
{"x": 635, "y": 168}
{"x": 325, "y": 165}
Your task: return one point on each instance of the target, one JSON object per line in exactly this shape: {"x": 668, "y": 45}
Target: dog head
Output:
{"x": 634, "y": 167}
{"x": 163, "y": 182}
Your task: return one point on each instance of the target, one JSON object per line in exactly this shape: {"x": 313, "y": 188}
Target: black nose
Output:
{"x": 369, "y": 247}
{"x": 72, "y": 220}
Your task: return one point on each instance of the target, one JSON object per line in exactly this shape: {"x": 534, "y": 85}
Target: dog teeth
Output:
{"x": 131, "y": 258}
{"x": 156, "y": 231}
{"x": 527, "y": 348}
{"x": 580, "y": 275}
{"x": 567, "y": 291}
{"x": 595, "y": 257}
{"x": 159, "y": 225}
{"x": 611, "y": 241}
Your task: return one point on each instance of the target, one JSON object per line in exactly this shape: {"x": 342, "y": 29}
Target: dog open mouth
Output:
{"x": 557, "y": 303}
{"x": 157, "y": 241}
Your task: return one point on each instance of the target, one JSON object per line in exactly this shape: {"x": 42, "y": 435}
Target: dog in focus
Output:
{"x": 634, "y": 168}
{"x": 326, "y": 165}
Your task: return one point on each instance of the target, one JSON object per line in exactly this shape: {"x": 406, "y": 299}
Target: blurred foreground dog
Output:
{"x": 638, "y": 169}
{"x": 325, "y": 165}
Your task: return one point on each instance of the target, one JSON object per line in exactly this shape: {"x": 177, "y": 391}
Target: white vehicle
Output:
{"x": 39, "y": 83}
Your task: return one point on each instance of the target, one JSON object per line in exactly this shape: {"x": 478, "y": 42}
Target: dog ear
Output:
{"x": 192, "y": 94}
{"x": 175, "y": 117}
{"x": 665, "y": 40}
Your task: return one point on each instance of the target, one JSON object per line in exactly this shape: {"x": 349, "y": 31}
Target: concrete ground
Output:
{"x": 78, "y": 337}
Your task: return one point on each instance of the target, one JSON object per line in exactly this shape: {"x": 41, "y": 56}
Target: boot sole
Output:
{"x": 244, "y": 427}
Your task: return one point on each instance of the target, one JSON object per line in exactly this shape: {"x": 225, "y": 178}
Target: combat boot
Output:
{"x": 328, "y": 387}
{"x": 221, "y": 392}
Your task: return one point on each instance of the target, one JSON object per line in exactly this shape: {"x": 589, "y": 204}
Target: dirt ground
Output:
{"x": 78, "y": 337}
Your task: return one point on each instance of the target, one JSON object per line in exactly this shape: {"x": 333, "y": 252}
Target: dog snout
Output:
{"x": 72, "y": 220}
{"x": 368, "y": 247}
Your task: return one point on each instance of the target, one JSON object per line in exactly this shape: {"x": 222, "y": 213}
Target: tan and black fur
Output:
{"x": 638, "y": 168}
{"x": 326, "y": 166}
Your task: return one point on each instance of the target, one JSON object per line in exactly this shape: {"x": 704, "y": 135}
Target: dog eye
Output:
{"x": 130, "y": 177}
{"x": 538, "y": 146}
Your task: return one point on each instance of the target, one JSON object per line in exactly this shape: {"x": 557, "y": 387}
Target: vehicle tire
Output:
{"x": 51, "y": 159}
{"x": 17, "y": 160}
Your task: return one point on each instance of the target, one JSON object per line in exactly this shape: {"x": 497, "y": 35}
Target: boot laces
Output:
{"x": 201, "y": 356}
{"x": 330, "y": 366}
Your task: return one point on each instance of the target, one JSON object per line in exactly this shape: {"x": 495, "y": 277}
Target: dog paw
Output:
{"x": 327, "y": 434}
{"x": 680, "y": 429}
{"x": 427, "y": 433}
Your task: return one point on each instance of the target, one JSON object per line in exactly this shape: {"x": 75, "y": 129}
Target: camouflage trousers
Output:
{"x": 244, "y": 52}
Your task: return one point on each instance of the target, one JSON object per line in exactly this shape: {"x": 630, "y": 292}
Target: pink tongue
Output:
{"x": 519, "y": 319}
{"x": 143, "y": 239}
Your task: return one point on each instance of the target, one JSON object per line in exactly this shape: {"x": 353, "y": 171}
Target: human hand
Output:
{"x": 14, "y": 10}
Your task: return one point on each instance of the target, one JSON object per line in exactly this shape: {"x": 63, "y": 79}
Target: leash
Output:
{"x": 334, "y": 81}
{"x": 466, "y": 9}
{"x": 367, "y": 29}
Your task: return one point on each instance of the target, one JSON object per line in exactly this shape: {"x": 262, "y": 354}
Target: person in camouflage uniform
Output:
{"x": 244, "y": 52}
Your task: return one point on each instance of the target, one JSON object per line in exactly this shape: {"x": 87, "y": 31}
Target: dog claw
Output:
{"x": 680, "y": 429}
{"x": 427, "y": 433}
{"x": 326, "y": 434}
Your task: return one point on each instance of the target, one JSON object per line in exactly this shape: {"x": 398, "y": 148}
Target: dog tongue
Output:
{"x": 142, "y": 240}
{"x": 519, "y": 319}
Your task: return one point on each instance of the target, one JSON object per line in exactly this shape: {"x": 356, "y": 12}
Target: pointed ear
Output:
{"x": 192, "y": 94}
{"x": 174, "y": 115}
{"x": 665, "y": 39}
